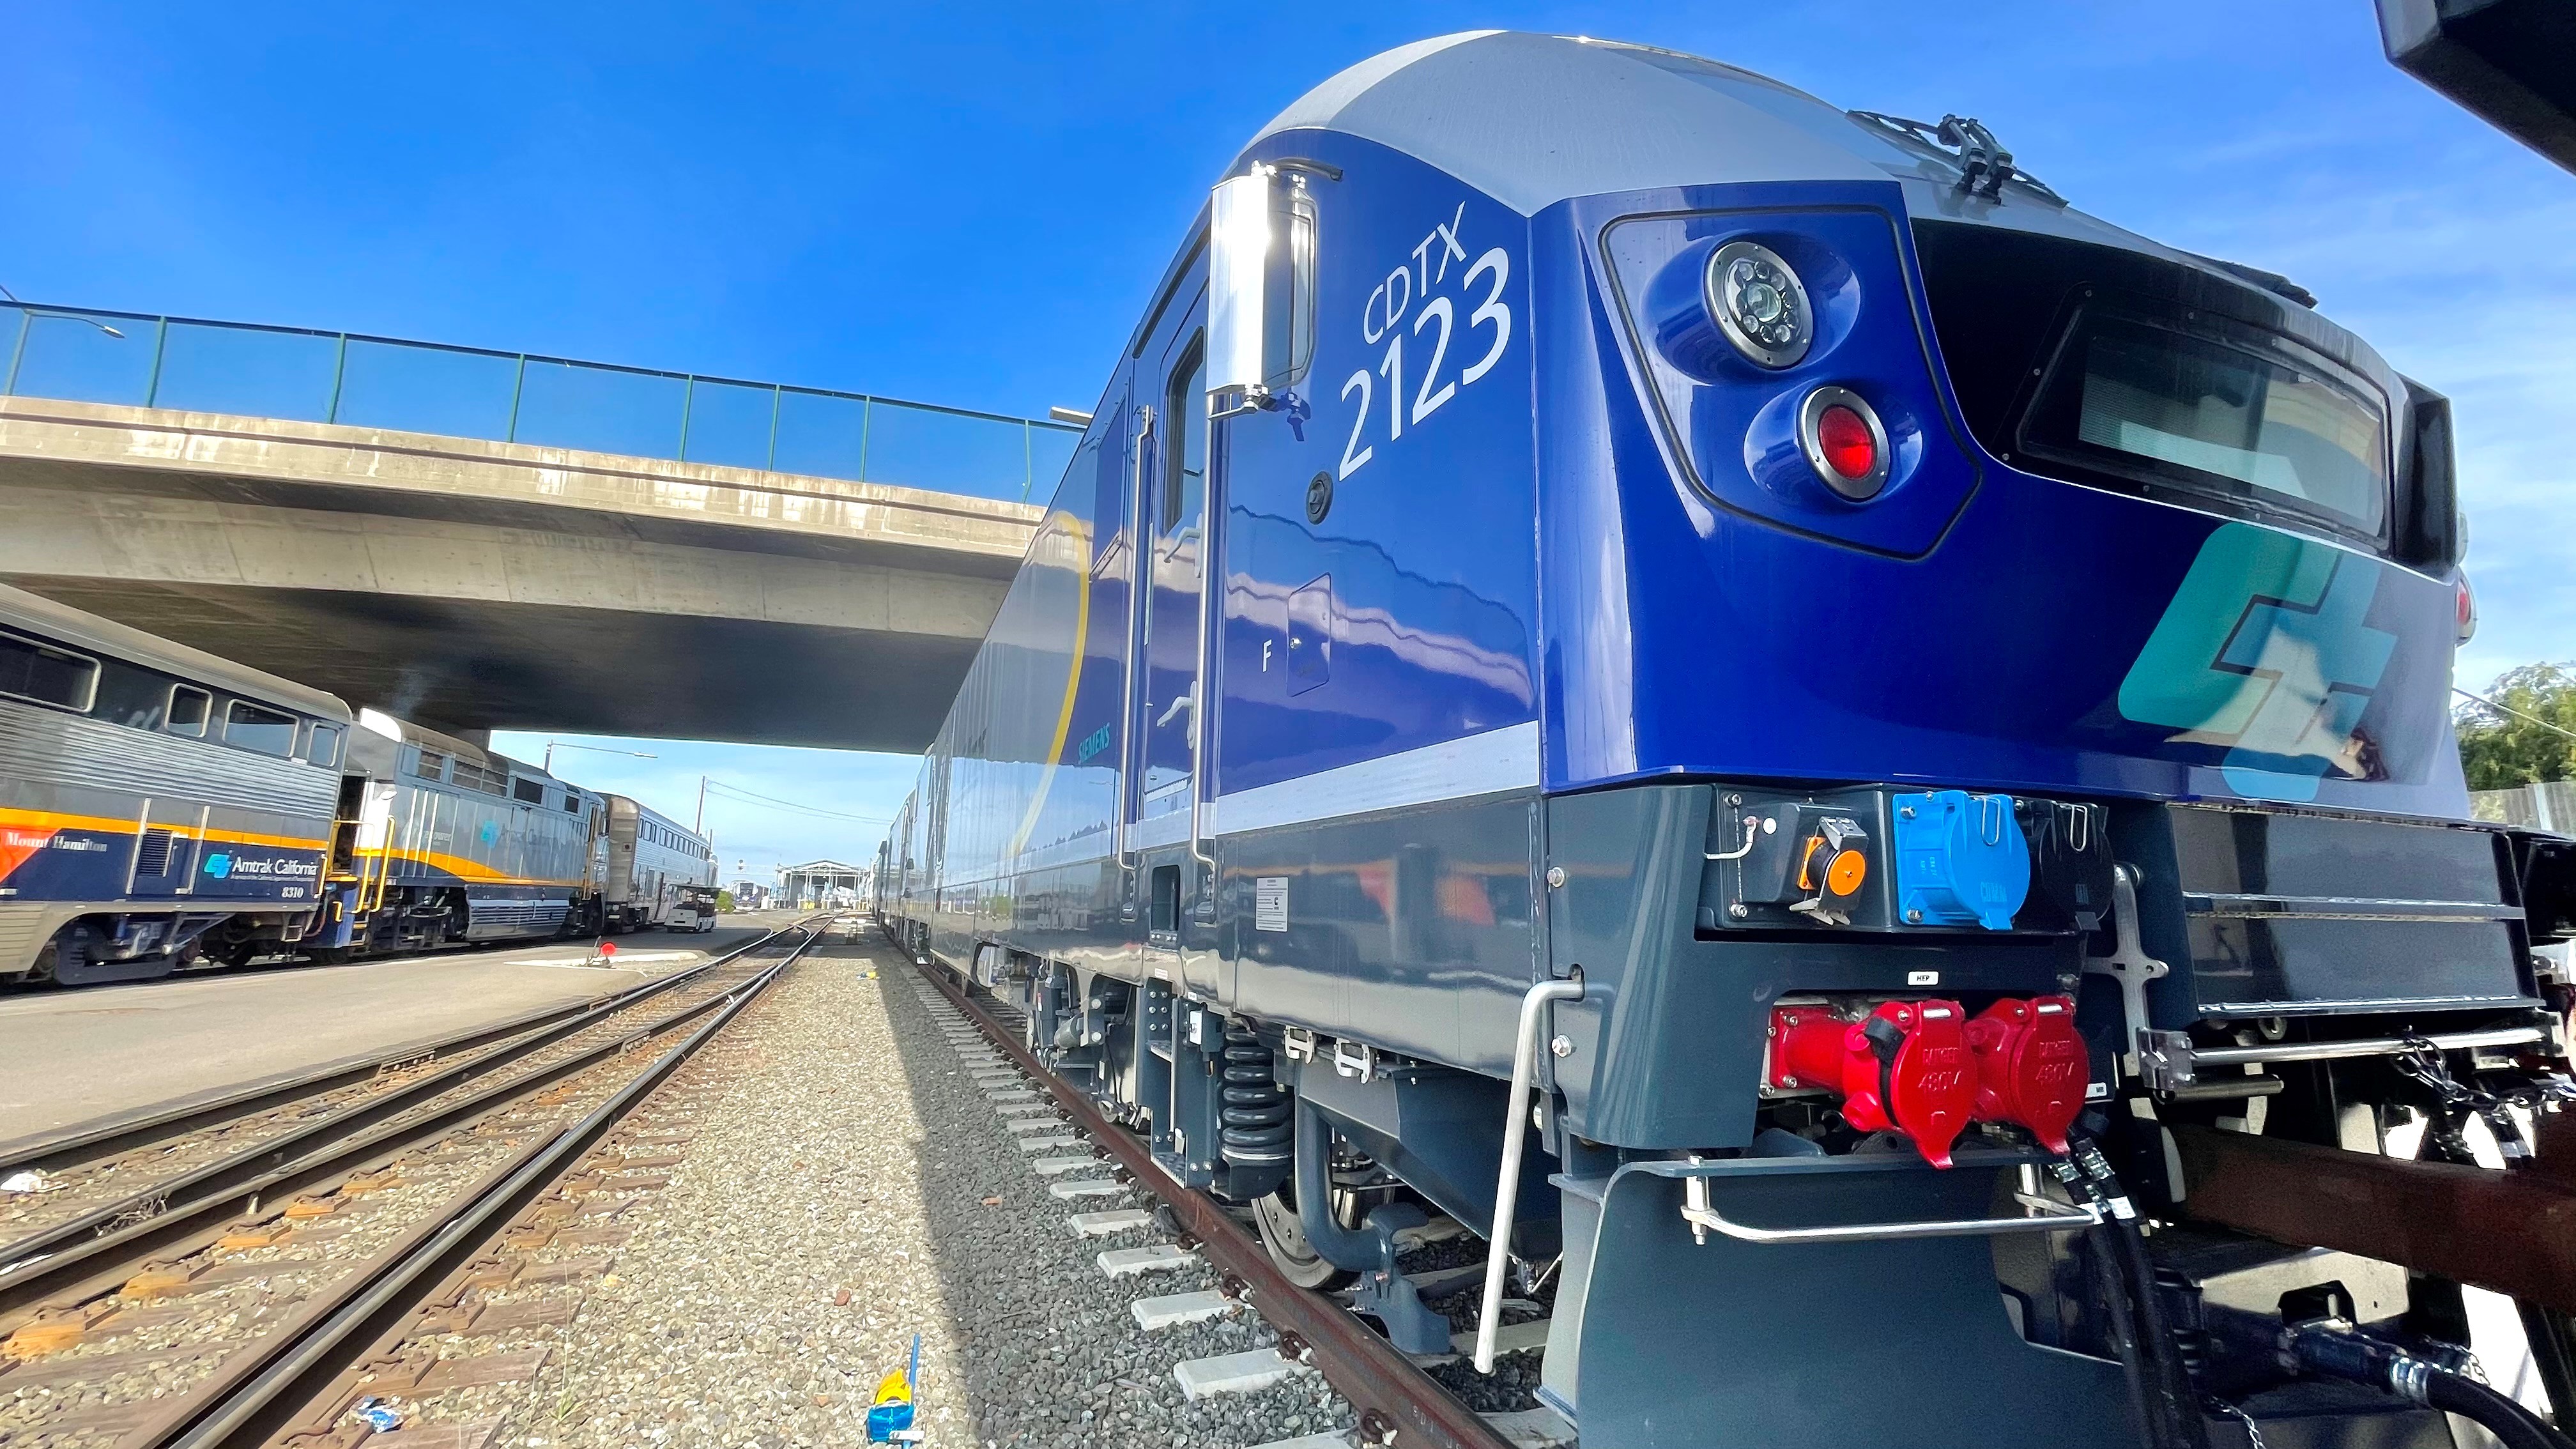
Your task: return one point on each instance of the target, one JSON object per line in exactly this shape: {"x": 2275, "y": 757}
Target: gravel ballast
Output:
{"x": 850, "y": 1181}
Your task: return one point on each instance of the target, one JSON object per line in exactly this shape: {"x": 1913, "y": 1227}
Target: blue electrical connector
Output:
{"x": 1961, "y": 860}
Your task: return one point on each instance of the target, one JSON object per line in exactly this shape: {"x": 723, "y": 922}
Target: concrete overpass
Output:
{"x": 479, "y": 584}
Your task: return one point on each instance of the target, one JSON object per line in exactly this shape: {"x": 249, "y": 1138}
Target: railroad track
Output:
{"x": 1397, "y": 1403}
{"x": 139, "y": 1167}
{"x": 240, "y": 1313}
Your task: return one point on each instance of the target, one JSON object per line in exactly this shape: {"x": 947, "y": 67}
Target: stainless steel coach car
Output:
{"x": 453, "y": 843}
{"x": 658, "y": 873}
{"x": 156, "y": 802}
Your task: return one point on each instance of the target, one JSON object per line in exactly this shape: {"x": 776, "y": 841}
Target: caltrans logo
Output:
{"x": 2264, "y": 652}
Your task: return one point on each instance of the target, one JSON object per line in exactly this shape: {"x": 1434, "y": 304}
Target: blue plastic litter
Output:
{"x": 1961, "y": 860}
{"x": 378, "y": 1415}
{"x": 890, "y": 1418}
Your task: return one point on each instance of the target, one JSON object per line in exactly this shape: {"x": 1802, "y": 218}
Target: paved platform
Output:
{"x": 75, "y": 1055}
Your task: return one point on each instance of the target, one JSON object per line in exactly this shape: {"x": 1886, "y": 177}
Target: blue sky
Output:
{"x": 967, "y": 206}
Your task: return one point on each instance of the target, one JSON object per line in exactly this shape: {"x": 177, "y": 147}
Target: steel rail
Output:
{"x": 258, "y": 1159}
{"x": 1398, "y": 1402}
{"x": 261, "y": 1390}
{"x": 104, "y": 1137}
{"x": 96, "y": 1264}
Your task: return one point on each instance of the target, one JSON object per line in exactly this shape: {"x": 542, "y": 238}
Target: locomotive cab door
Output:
{"x": 1173, "y": 527}
{"x": 1173, "y": 538}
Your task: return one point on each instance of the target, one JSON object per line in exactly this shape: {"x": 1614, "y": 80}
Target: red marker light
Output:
{"x": 1844, "y": 442}
{"x": 1848, "y": 447}
{"x": 2466, "y": 602}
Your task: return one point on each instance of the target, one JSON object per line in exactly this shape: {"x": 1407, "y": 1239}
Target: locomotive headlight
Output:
{"x": 1759, "y": 304}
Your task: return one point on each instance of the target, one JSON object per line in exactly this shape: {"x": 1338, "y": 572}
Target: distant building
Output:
{"x": 819, "y": 883}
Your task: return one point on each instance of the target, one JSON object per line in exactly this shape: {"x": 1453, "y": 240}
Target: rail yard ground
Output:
{"x": 844, "y": 1165}
{"x": 847, "y": 1182}
{"x": 78, "y": 1055}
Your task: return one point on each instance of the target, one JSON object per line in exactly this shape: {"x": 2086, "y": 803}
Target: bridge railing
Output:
{"x": 85, "y": 355}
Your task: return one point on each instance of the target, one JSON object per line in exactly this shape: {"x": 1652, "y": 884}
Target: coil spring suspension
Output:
{"x": 1254, "y": 1116}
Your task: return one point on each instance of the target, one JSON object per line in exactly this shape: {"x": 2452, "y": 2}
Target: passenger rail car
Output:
{"x": 447, "y": 843}
{"x": 659, "y": 873}
{"x": 1912, "y": 719}
{"x": 156, "y": 802}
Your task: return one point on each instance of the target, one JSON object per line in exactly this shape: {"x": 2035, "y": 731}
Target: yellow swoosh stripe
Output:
{"x": 1072, "y": 683}
{"x": 50, "y": 820}
{"x": 461, "y": 868}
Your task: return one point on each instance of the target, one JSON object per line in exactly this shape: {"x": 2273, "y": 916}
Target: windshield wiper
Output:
{"x": 1984, "y": 165}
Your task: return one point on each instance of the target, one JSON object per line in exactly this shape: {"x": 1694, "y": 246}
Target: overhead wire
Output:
{"x": 740, "y": 795}
{"x": 2517, "y": 714}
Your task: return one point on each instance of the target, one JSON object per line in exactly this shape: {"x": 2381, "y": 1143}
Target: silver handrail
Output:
{"x": 2375, "y": 1046}
{"x": 1200, "y": 714}
{"x": 2045, "y": 1217}
{"x": 1140, "y": 601}
{"x": 1507, "y": 1187}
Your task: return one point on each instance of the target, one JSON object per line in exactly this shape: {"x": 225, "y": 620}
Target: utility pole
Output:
{"x": 701, "y": 826}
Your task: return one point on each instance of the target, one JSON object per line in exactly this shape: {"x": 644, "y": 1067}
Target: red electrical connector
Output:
{"x": 2032, "y": 1069}
{"x": 1904, "y": 1067}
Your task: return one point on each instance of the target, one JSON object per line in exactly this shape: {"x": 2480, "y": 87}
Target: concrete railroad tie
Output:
{"x": 1069, "y": 1191}
{"x": 1053, "y": 1142}
{"x": 1235, "y": 1373}
{"x": 1026, "y": 1125}
{"x": 1155, "y": 1258}
{"x": 1059, "y": 1166}
{"x": 1174, "y": 1309}
{"x": 1102, "y": 1225}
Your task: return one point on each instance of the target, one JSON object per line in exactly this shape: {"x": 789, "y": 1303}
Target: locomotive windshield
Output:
{"x": 2248, "y": 418}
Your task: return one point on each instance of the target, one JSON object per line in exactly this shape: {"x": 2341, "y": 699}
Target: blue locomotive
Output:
{"x": 1804, "y": 737}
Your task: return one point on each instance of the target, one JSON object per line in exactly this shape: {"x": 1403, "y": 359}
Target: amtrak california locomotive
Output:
{"x": 155, "y": 800}
{"x": 1912, "y": 719}
{"x": 160, "y": 806}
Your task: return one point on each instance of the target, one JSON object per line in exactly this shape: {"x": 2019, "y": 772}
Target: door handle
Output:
{"x": 1189, "y": 701}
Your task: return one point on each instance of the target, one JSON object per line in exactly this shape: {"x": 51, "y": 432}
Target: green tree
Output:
{"x": 2527, "y": 735}
{"x": 724, "y": 903}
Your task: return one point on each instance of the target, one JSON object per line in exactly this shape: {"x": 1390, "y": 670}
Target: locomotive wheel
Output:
{"x": 1276, "y": 1216}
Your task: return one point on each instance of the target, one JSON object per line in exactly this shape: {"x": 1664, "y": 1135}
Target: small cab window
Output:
{"x": 1185, "y": 459}
{"x": 528, "y": 790}
{"x": 189, "y": 709}
{"x": 322, "y": 747}
{"x": 29, "y": 670}
{"x": 259, "y": 729}
{"x": 572, "y": 803}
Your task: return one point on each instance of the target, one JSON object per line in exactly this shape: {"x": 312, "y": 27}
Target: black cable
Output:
{"x": 2177, "y": 1402}
{"x": 2503, "y": 1417}
{"x": 2102, "y": 1260}
{"x": 2122, "y": 1329}
{"x": 2172, "y": 1380}
{"x": 2336, "y": 1349}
